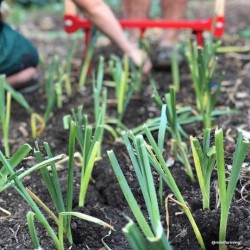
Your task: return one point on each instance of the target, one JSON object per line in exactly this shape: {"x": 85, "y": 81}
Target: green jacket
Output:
{"x": 15, "y": 51}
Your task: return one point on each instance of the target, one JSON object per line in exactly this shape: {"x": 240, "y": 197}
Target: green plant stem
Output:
{"x": 23, "y": 192}
{"x": 184, "y": 157}
{"x": 69, "y": 196}
{"x": 7, "y": 125}
{"x": 162, "y": 168}
{"x": 86, "y": 174}
{"x": 222, "y": 185}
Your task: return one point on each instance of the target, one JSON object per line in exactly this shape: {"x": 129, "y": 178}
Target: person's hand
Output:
{"x": 140, "y": 58}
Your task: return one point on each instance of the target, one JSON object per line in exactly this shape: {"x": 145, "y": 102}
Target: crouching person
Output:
{"x": 18, "y": 58}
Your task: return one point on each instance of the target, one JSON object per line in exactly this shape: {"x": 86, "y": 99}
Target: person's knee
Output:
{"x": 21, "y": 78}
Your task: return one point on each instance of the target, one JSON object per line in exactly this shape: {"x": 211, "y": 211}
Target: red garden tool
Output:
{"x": 215, "y": 24}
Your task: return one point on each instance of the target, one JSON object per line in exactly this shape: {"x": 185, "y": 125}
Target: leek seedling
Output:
{"x": 50, "y": 90}
{"x": 5, "y": 108}
{"x": 202, "y": 64}
{"x": 11, "y": 178}
{"x": 52, "y": 182}
{"x": 226, "y": 191}
{"x": 98, "y": 93}
{"x": 69, "y": 59}
{"x": 88, "y": 57}
{"x": 158, "y": 162}
{"x": 50, "y": 178}
{"x": 155, "y": 237}
{"x": 204, "y": 161}
{"x": 54, "y": 83}
{"x": 100, "y": 102}
{"x": 179, "y": 147}
{"x": 17, "y": 96}
{"x": 89, "y": 142}
{"x": 175, "y": 71}
{"x": 123, "y": 87}
{"x": 14, "y": 161}
{"x": 136, "y": 75}
{"x": 14, "y": 180}
{"x": 136, "y": 72}
{"x": 58, "y": 85}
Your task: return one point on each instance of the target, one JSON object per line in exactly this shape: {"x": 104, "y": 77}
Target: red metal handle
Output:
{"x": 215, "y": 25}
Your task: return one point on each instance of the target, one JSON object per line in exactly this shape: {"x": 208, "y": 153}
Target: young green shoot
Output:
{"x": 5, "y": 109}
{"x": 155, "y": 237}
{"x": 158, "y": 162}
{"x": 17, "y": 96}
{"x": 10, "y": 177}
{"x": 204, "y": 161}
{"x": 59, "y": 89}
{"x": 175, "y": 71}
{"x": 202, "y": 64}
{"x": 179, "y": 147}
{"x": 89, "y": 142}
{"x": 226, "y": 190}
{"x": 14, "y": 180}
{"x": 82, "y": 216}
{"x": 100, "y": 104}
{"x": 88, "y": 58}
{"x": 123, "y": 86}
{"x": 68, "y": 68}
{"x": 50, "y": 91}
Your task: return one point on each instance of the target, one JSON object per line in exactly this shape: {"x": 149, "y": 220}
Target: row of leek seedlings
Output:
{"x": 226, "y": 190}
{"x": 55, "y": 83}
{"x": 89, "y": 142}
{"x": 52, "y": 183}
{"x": 136, "y": 72}
{"x": 123, "y": 86}
{"x": 158, "y": 162}
{"x": 5, "y": 110}
{"x": 179, "y": 147}
{"x": 88, "y": 57}
{"x": 205, "y": 158}
{"x": 202, "y": 64}
{"x": 153, "y": 236}
{"x": 12, "y": 178}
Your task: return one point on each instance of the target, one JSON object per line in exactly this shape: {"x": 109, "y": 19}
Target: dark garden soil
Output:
{"x": 104, "y": 197}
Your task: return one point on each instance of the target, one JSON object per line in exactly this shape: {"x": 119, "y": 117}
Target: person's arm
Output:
{"x": 103, "y": 18}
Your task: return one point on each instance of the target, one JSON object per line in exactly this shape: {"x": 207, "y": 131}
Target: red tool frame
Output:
{"x": 215, "y": 25}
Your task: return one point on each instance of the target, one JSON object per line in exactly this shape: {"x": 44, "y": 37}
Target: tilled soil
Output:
{"x": 104, "y": 197}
